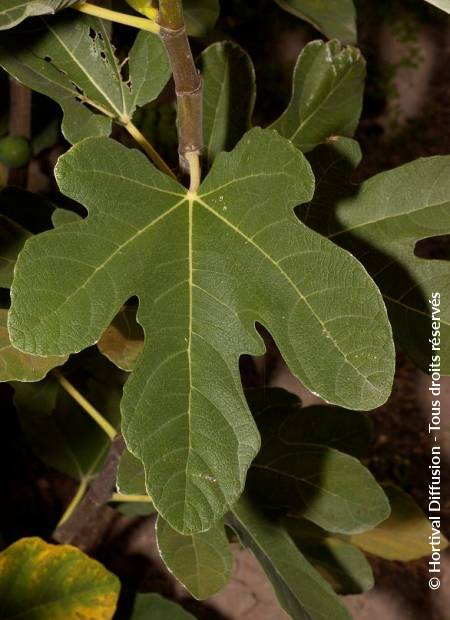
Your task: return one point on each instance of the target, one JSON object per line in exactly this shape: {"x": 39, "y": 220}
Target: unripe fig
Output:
{"x": 15, "y": 151}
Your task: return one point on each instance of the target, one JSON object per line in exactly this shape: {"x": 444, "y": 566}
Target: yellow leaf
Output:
{"x": 404, "y": 535}
{"x": 50, "y": 582}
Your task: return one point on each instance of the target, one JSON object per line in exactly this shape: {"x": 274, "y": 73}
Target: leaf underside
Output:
{"x": 205, "y": 268}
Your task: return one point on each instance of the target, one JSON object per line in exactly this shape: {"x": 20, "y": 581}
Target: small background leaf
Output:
{"x": 12, "y": 12}
{"x": 155, "y": 607}
{"x": 335, "y": 18}
{"x": 316, "y": 482}
{"x": 327, "y": 92}
{"x": 279, "y": 414}
{"x": 71, "y": 59}
{"x": 200, "y": 16}
{"x": 201, "y": 562}
{"x": 380, "y": 222}
{"x": 64, "y": 216}
{"x": 54, "y": 581}
{"x": 123, "y": 340}
{"x": 404, "y": 535}
{"x": 12, "y": 239}
{"x": 342, "y": 564}
{"x": 327, "y": 487}
{"x": 229, "y": 93}
{"x": 302, "y": 592}
{"x": 130, "y": 475}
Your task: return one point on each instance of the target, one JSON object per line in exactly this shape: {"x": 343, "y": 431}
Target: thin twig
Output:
{"x": 86, "y": 405}
{"x": 143, "y": 23}
{"x": 149, "y": 149}
{"x": 121, "y": 497}
{"x": 76, "y": 499}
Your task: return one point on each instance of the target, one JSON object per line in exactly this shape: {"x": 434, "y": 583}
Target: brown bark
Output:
{"x": 188, "y": 82}
{"x": 98, "y": 494}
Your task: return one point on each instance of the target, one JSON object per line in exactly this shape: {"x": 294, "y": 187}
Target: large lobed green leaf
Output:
{"x": 335, "y": 18}
{"x": 18, "y": 366}
{"x": 327, "y": 92}
{"x": 12, "y": 12}
{"x": 205, "y": 267}
{"x": 72, "y": 60}
{"x": 48, "y": 582}
{"x": 380, "y": 222}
